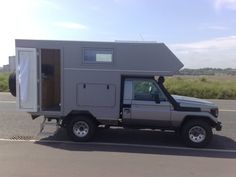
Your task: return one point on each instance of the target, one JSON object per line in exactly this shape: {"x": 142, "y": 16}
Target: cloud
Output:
{"x": 218, "y": 52}
{"x": 23, "y": 20}
{"x": 18, "y": 21}
{"x": 214, "y": 27}
{"x": 71, "y": 25}
{"x": 225, "y": 4}
{"x": 49, "y": 4}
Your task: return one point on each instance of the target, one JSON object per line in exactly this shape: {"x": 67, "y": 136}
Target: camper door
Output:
{"x": 26, "y": 79}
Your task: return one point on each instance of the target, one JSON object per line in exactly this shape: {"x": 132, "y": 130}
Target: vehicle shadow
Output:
{"x": 142, "y": 141}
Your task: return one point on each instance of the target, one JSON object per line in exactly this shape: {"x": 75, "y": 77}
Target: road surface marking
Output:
{"x": 7, "y": 101}
{"x": 227, "y": 110}
{"x": 121, "y": 144}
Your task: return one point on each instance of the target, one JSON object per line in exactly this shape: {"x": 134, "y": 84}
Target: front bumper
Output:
{"x": 218, "y": 126}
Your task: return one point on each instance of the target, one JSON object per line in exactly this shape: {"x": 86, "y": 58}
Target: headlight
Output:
{"x": 215, "y": 112}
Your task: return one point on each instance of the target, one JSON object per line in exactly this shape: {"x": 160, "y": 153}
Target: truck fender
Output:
{"x": 211, "y": 122}
{"x": 74, "y": 113}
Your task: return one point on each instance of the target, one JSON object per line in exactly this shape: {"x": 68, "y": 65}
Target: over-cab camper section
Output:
{"x": 55, "y": 78}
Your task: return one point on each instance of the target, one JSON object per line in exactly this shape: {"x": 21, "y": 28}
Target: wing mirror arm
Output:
{"x": 157, "y": 98}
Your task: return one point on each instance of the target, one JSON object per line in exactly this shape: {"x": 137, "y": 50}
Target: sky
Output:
{"x": 201, "y": 33}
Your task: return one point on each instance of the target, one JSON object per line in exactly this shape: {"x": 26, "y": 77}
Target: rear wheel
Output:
{"x": 196, "y": 133}
{"x": 81, "y": 128}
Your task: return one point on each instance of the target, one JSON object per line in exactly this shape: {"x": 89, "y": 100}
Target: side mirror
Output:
{"x": 157, "y": 98}
{"x": 161, "y": 80}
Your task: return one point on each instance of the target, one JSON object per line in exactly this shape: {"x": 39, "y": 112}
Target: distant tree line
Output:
{"x": 207, "y": 71}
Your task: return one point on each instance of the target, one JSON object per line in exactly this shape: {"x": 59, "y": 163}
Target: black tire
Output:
{"x": 106, "y": 126}
{"x": 200, "y": 128}
{"x": 12, "y": 83}
{"x": 81, "y": 124}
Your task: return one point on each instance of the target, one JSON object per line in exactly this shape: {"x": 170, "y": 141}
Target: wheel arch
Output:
{"x": 202, "y": 118}
{"x": 75, "y": 113}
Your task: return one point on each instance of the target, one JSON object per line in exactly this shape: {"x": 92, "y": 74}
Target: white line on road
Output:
{"x": 121, "y": 144}
{"x": 227, "y": 110}
{"x": 7, "y": 101}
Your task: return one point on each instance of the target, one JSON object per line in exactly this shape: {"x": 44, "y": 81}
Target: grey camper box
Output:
{"x": 84, "y": 84}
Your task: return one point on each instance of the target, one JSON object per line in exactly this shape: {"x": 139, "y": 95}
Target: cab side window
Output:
{"x": 145, "y": 90}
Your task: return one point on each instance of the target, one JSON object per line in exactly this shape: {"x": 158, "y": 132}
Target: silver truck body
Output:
{"x": 114, "y": 82}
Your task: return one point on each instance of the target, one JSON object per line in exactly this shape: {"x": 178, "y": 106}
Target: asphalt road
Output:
{"x": 113, "y": 152}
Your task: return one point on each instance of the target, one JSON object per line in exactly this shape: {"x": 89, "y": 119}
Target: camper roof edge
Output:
{"x": 115, "y": 41}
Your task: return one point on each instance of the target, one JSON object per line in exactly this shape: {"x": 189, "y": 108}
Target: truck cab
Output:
{"x": 147, "y": 104}
{"x": 144, "y": 103}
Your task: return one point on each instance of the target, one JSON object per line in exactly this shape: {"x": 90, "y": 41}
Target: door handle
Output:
{"x": 127, "y": 110}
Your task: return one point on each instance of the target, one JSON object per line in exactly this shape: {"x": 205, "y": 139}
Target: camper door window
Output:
{"x": 98, "y": 55}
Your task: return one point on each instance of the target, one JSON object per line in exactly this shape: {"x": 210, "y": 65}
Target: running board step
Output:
{"x": 45, "y": 125}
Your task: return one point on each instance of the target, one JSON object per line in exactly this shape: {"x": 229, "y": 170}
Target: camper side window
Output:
{"x": 98, "y": 55}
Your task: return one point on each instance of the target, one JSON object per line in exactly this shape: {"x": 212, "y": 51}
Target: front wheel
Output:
{"x": 197, "y": 133}
{"x": 81, "y": 128}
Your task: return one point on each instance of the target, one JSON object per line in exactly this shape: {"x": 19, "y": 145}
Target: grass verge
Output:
{"x": 4, "y": 82}
{"x": 213, "y": 87}
{"x": 203, "y": 87}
